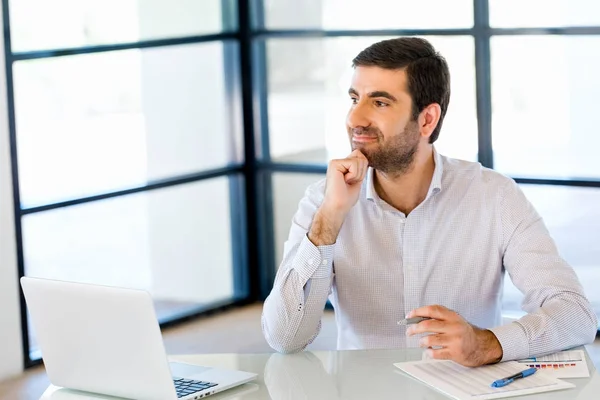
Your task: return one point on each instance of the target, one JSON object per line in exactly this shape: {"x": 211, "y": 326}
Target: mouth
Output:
{"x": 364, "y": 139}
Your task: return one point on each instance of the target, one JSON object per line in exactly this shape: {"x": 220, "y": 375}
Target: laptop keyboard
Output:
{"x": 185, "y": 387}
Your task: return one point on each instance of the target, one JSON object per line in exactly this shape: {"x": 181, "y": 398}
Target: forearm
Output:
{"x": 563, "y": 322}
{"x": 292, "y": 313}
{"x": 325, "y": 226}
{"x": 560, "y": 316}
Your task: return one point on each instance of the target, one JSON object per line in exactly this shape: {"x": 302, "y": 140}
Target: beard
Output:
{"x": 394, "y": 156}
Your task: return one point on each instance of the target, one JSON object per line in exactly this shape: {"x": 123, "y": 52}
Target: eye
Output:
{"x": 354, "y": 100}
{"x": 380, "y": 103}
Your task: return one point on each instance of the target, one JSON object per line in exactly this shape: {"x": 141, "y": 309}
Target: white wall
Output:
{"x": 11, "y": 361}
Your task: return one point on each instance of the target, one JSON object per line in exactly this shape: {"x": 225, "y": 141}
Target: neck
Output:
{"x": 405, "y": 191}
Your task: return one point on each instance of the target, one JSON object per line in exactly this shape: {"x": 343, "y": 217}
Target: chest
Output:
{"x": 457, "y": 241}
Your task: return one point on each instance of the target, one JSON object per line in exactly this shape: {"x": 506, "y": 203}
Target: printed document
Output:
{"x": 463, "y": 383}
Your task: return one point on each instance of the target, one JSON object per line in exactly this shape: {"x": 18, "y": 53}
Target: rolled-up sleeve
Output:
{"x": 559, "y": 314}
{"x": 292, "y": 312}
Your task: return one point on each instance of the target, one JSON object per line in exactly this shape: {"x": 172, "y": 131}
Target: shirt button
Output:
{"x": 402, "y": 221}
{"x": 324, "y": 262}
{"x": 310, "y": 261}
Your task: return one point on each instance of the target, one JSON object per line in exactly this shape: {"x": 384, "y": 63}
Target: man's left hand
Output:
{"x": 454, "y": 338}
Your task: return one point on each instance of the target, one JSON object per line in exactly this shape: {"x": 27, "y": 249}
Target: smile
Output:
{"x": 364, "y": 139}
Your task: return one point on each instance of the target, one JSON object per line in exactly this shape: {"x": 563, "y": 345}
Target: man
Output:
{"x": 397, "y": 230}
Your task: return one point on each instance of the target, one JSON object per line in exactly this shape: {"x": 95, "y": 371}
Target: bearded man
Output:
{"x": 397, "y": 230}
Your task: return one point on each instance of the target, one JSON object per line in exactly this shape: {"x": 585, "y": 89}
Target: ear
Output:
{"x": 428, "y": 119}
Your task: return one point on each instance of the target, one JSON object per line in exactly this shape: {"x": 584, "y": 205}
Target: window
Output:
{"x": 522, "y": 99}
{"x": 127, "y": 121}
{"x": 544, "y": 13}
{"x": 120, "y": 119}
{"x": 544, "y": 91}
{"x": 134, "y": 121}
{"x": 156, "y": 240}
{"x": 380, "y": 14}
{"x": 40, "y": 24}
{"x": 308, "y": 82}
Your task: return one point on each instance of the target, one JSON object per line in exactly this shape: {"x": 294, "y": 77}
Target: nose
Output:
{"x": 357, "y": 117}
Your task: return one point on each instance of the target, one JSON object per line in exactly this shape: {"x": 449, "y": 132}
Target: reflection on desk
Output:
{"x": 335, "y": 375}
{"x": 298, "y": 376}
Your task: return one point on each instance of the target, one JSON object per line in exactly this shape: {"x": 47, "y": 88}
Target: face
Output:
{"x": 379, "y": 122}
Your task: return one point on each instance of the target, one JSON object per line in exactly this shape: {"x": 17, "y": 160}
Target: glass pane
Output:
{"x": 42, "y": 24}
{"x": 308, "y": 97}
{"x": 288, "y": 190}
{"x": 543, "y": 13}
{"x": 544, "y": 98}
{"x": 380, "y": 14}
{"x": 93, "y": 123}
{"x": 575, "y": 232}
{"x": 159, "y": 241}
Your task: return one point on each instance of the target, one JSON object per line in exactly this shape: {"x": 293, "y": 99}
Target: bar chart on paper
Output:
{"x": 565, "y": 364}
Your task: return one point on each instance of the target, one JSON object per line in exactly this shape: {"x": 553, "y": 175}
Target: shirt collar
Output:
{"x": 434, "y": 187}
{"x": 438, "y": 172}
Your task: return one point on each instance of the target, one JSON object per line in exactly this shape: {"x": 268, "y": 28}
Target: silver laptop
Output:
{"x": 106, "y": 340}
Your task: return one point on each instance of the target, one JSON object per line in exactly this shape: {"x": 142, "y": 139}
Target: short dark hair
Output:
{"x": 426, "y": 71}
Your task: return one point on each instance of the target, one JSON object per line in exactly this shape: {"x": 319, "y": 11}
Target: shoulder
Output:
{"x": 462, "y": 172}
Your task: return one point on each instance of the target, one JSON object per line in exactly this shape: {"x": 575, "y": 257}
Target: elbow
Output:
{"x": 283, "y": 344}
{"x": 594, "y": 328}
{"x": 280, "y": 341}
{"x": 589, "y": 325}
{"x": 284, "y": 348}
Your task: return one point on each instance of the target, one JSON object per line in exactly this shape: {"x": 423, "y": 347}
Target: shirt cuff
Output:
{"x": 313, "y": 261}
{"x": 514, "y": 342}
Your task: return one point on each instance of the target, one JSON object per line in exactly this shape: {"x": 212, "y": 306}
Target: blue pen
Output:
{"x": 510, "y": 379}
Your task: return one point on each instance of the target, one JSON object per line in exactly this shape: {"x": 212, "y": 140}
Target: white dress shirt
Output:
{"x": 452, "y": 250}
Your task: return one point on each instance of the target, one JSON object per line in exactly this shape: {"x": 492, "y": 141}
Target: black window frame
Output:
{"x": 481, "y": 32}
{"x": 254, "y": 259}
{"x": 241, "y": 175}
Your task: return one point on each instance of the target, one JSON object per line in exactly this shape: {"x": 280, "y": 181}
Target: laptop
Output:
{"x": 106, "y": 340}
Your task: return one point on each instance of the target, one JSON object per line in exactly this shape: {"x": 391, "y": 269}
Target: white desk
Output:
{"x": 332, "y": 375}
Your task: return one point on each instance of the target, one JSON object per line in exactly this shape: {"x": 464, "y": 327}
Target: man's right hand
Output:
{"x": 344, "y": 180}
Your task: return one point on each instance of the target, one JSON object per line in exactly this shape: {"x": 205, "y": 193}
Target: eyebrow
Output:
{"x": 377, "y": 93}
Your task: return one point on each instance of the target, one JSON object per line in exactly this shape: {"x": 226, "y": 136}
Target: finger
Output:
{"x": 434, "y": 311}
{"x": 439, "y": 354}
{"x": 430, "y": 325}
{"x": 343, "y": 166}
{"x": 363, "y": 165}
{"x": 337, "y": 166}
{"x": 363, "y": 162}
{"x": 433, "y": 341}
{"x": 355, "y": 171}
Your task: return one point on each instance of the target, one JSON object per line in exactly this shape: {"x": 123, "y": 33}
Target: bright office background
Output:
{"x": 136, "y": 146}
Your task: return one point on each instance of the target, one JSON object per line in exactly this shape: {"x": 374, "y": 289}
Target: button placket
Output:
{"x": 410, "y": 270}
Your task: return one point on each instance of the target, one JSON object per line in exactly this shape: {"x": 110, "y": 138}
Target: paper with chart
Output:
{"x": 564, "y": 364}
{"x": 463, "y": 383}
